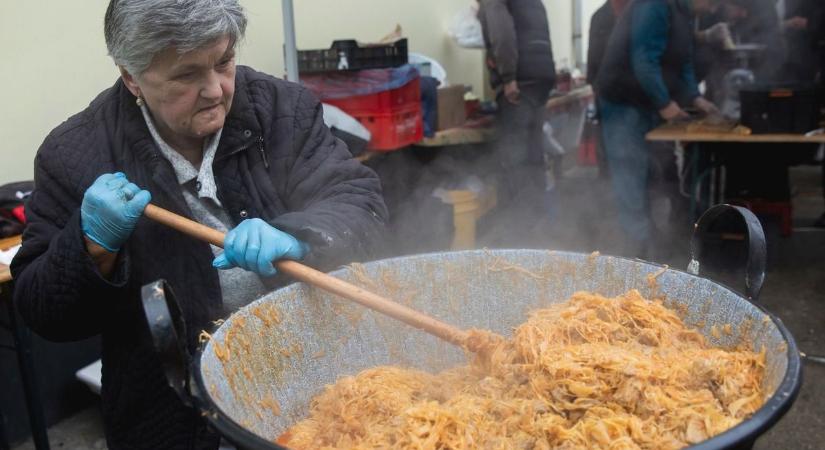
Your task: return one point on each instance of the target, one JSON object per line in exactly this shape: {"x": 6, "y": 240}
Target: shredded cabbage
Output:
{"x": 590, "y": 373}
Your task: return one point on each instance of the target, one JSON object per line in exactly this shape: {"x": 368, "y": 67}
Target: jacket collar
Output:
{"x": 242, "y": 127}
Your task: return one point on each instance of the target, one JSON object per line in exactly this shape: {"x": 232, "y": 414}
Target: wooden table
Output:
{"x": 457, "y": 136}
{"x": 443, "y": 138}
{"x": 5, "y": 244}
{"x": 690, "y": 132}
{"x": 680, "y": 132}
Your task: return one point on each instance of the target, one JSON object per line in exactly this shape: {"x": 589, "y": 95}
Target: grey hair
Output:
{"x": 136, "y": 30}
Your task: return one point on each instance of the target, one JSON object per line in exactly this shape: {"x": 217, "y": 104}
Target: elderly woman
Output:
{"x": 223, "y": 144}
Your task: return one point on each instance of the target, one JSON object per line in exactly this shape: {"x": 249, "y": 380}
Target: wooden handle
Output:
{"x": 373, "y": 301}
{"x": 184, "y": 225}
{"x": 321, "y": 280}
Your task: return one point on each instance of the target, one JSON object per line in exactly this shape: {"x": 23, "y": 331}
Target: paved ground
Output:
{"x": 83, "y": 431}
{"x": 795, "y": 290}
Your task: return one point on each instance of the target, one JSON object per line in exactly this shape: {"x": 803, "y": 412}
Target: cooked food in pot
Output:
{"x": 593, "y": 372}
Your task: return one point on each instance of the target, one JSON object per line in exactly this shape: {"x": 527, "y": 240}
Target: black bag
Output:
{"x": 12, "y": 197}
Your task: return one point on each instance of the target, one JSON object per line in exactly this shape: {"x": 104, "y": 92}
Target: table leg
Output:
{"x": 22, "y": 342}
{"x": 705, "y": 188}
{"x": 712, "y": 182}
{"x": 4, "y": 437}
{"x": 693, "y": 180}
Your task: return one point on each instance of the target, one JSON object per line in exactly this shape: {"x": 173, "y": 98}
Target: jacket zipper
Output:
{"x": 246, "y": 146}
{"x": 263, "y": 153}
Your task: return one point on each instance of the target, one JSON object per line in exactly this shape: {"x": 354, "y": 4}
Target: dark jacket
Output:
{"x": 276, "y": 160}
{"x": 803, "y": 46}
{"x": 601, "y": 25}
{"x": 517, "y": 37}
{"x": 648, "y": 61}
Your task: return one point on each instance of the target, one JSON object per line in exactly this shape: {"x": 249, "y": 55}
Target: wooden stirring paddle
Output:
{"x": 473, "y": 341}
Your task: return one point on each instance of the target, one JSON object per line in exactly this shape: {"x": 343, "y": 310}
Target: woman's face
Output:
{"x": 189, "y": 95}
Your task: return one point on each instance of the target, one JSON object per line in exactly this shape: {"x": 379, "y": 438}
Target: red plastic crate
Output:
{"x": 400, "y": 128}
{"x": 393, "y": 117}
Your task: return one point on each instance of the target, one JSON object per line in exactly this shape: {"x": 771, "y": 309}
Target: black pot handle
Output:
{"x": 168, "y": 330}
{"x": 755, "y": 238}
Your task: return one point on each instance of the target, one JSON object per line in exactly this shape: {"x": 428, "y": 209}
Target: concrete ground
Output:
{"x": 794, "y": 290}
{"x": 83, "y": 431}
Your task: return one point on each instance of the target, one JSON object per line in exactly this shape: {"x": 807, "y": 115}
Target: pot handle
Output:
{"x": 755, "y": 238}
{"x": 167, "y": 327}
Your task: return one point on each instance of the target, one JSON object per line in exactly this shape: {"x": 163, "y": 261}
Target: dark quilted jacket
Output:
{"x": 276, "y": 161}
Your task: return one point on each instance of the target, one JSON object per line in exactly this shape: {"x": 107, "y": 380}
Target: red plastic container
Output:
{"x": 588, "y": 145}
{"x": 393, "y": 117}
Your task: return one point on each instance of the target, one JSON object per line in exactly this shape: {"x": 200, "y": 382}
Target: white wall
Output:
{"x": 54, "y": 59}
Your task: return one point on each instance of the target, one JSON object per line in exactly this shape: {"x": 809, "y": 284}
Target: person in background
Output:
{"x": 645, "y": 77}
{"x": 756, "y": 22}
{"x": 522, "y": 72}
{"x": 800, "y": 22}
{"x": 601, "y": 25}
{"x": 720, "y": 31}
{"x": 799, "y": 25}
{"x": 188, "y": 129}
{"x": 712, "y": 57}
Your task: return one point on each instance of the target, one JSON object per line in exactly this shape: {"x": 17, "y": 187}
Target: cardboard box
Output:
{"x": 451, "y": 112}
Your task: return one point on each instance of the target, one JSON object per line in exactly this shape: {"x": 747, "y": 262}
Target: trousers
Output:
{"x": 628, "y": 157}
{"x": 520, "y": 151}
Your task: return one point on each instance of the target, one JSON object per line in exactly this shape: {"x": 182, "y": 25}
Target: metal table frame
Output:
{"x": 680, "y": 134}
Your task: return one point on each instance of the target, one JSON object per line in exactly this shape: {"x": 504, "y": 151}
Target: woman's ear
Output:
{"x": 129, "y": 81}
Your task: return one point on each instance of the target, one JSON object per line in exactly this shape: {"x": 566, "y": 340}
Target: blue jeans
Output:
{"x": 623, "y": 129}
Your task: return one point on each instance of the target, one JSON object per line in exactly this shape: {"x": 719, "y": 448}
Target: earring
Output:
{"x": 139, "y": 101}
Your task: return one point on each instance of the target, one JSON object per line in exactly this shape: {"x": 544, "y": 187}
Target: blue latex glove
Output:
{"x": 110, "y": 210}
{"x": 254, "y": 244}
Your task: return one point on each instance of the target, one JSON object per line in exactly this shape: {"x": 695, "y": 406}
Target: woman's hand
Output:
{"x": 254, "y": 244}
{"x": 110, "y": 210}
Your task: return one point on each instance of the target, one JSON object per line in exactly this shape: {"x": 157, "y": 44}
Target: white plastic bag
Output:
{"x": 334, "y": 117}
{"x": 465, "y": 28}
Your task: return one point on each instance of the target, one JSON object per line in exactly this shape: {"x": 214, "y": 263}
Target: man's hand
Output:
{"x": 718, "y": 34}
{"x": 110, "y": 210}
{"x": 511, "y": 92}
{"x": 796, "y": 23}
{"x": 254, "y": 244}
{"x": 707, "y": 107}
{"x": 673, "y": 112}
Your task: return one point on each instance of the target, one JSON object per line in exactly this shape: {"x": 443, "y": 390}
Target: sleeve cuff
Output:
{"x": 507, "y": 77}
{"x": 120, "y": 273}
{"x": 296, "y": 224}
{"x": 660, "y": 104}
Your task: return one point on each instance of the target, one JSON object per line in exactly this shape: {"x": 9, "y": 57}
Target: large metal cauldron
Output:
{"x": 251, "y": 364}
